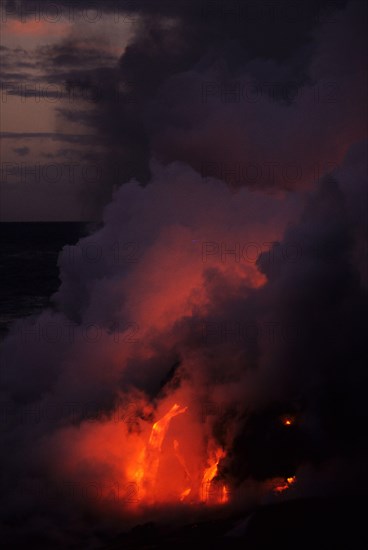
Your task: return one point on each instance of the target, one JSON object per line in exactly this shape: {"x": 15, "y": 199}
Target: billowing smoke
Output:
{"x": 242, "y": 300}
{"x": 258, "y": 95}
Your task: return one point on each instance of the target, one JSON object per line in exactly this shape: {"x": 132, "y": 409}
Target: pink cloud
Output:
{"x": 35, "y": 28}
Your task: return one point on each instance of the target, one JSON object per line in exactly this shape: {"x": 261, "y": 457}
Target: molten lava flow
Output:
{"x": 182, "y": 462}
{"x": 153, "y": 459}
{"x": 211, "y": 471}
{"x": 180, "y": 458}
{"x": 220, "y": 494}
{"x": 159, "y": 429}
{"x": 145, "y": 474}
{"x": 225, "y": 494}
{"x": 282, "y": 486}
{"x": 185, "y": 493}
{"x": 139, "y": 471}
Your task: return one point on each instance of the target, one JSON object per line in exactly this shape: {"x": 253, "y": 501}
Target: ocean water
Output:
{"x": 28, "y": 265}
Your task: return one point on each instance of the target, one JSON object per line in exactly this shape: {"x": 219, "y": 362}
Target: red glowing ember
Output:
{"x": 283, "y": 485}
{"x": 288, "y": 420}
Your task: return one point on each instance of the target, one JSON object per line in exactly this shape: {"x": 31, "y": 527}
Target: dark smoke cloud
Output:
{"x": 319, "y": 373}
{"x": 256, "y": 95}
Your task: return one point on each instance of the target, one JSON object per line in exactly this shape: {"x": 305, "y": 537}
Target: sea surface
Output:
{"x": 28, "y": 265}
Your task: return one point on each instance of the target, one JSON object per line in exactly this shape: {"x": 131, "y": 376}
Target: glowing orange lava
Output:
{"x": 283, "y": 485}
{"x": 185, "y": 493}
{"x": 159, "y": 429}
{"x": 214, "y": 493}
{"x": 145, "y": 474}
{"x": 155, "y": 485}
{"x": 288, "y": 420}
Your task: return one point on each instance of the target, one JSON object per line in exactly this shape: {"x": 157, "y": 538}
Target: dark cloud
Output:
{"x": 22, "y": 151}
{"x": 193, "y": 73}
{"x": 323, "y": 296}
{"x": 188, "y": 77}
{"x": 71, "y": 138}
{"x": 180, "y": 88}
{"x": 77, "y": 53}
{"x": 16, "y": 64}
